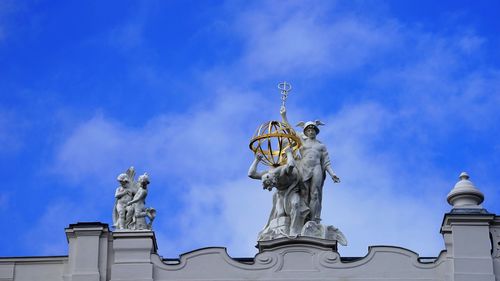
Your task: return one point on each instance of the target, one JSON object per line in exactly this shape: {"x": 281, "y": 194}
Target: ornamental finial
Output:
{"x": 285, "y": 89}
{"x": 465, "y": 194}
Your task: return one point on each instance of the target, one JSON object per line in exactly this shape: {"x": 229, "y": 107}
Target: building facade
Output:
{"x": 471, "y": 237}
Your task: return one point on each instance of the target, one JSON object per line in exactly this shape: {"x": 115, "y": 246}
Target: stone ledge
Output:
{"x": 136, "y": 234}
{"x": 268, "y": 245}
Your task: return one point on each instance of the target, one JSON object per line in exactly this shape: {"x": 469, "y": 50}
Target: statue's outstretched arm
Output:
{"x": 252, "y": 171}
{"x": 328, "y": 167}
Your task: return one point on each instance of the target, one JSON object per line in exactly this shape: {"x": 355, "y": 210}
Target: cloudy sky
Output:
{"x": 409, "y": 93}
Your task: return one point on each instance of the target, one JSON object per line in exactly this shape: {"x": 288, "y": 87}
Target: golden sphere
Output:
{"x": 271, "y": 139}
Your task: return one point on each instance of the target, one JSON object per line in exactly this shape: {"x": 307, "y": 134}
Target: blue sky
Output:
{"x": 409, "y": 93}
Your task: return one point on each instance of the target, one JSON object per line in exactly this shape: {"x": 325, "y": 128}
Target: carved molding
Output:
{"x": 495, "y": 237}
{"x": 295, "y": 258}
{"x": 262, "y": 261}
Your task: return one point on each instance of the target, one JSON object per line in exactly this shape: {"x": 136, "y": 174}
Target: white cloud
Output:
{"x": 224, "y": 212}
{"x": 4, "y": 201}
{"x": 471, "y": 43}
{"x": 12, "y": 128}
{"x": 375, "y": 197}
{"x": 386, "y": 196}
{"x": 9, "y": 8}
{"x": 305, "y": 41}
{"x": 127, "y": 37}
{"x": 209, "y": 136}
{"x": 41, "y": 236}
{"x": 223, "y": 208}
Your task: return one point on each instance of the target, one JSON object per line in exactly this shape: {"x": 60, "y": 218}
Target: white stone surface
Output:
{"x": 468, "y": 245}
{"x": 96, "y": 254}
{"x": 465, "y": 194}
{"x": 33, "y": 268}
{"x": 88, "y": 252}
{"x": 302, "y": 262}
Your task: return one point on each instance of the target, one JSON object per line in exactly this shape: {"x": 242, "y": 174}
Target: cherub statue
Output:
{"x": 129, "y": 211}
{"x": 140, "y": 212}
{"x": 122, "y": 212}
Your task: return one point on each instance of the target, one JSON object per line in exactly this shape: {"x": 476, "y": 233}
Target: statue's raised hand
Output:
{"x": 283, "y": 110}
{"x": 258, "y": 157}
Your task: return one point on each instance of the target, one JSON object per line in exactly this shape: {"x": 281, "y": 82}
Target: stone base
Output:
{"x": 132, "y": 255}
{"x": 323, "y": 244}
{"x": 277, "y": 228}
{"x": 329, "y": 232}
{"x": 126, "y": 235}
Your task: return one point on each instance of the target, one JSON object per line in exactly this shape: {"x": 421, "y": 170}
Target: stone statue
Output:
{"x": 289, "y": 211}
{"x": 122, "y": 213}
{"x": 298, "y": 164}
{"x": 140, "y": 212}
{"x": 313, "y": 165}
{"x": 129, "y": 212}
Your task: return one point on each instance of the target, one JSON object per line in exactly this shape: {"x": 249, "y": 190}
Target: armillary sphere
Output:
{"x": 271, "y": 140}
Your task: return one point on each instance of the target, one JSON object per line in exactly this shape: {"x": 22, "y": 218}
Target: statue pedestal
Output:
{"x": 301, "y": 241}
{"x": 132, "y": 255}
{"x": 297, "y": 258}
{"x": 281, "y": 223}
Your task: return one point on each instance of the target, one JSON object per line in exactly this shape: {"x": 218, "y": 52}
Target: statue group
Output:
{"x": 298, "y": 164}
{"x": 298, "y": 179}
{"x": 129, "y": 211}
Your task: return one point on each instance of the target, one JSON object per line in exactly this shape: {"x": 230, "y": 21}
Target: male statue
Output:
{"x": 289, "y": 211}
{"x": 313, "y": 165}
